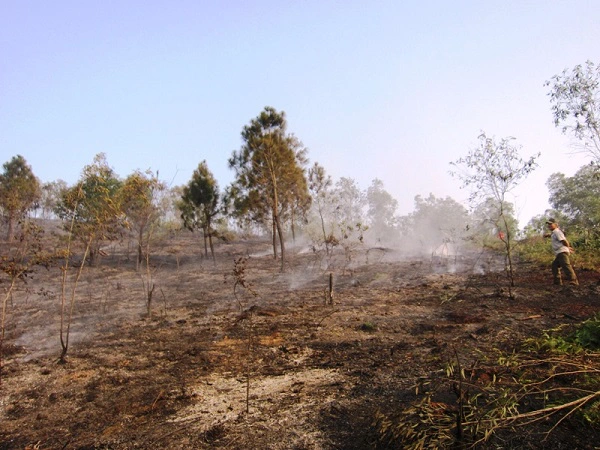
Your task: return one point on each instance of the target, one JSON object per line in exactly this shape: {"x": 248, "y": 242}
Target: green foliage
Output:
{"x": 578, "y": 198}
{"x": 493, "y": 222}
{"x": 18, "y": 261}
{"x": 498, "y": 394}
{"x": 381, "y": 213}
{"x": 138, "y": 196}
{"x": 574, "y": 353}
{"x": 536, "y": 249}
{"x": 537, "y": 225}
{"x": 436, "y": 221}
{"x": 20, "y": 190}
{"x": 491, "y": 171}
{"x": 92, "y": 208}
{"x": 349, "y": 203}
{"x": 140, "y": 205}
{"x": 348, "y": 216}
{"x": 270, "y": 182}
{"x": 319, "y": 185}
{"x": 576, "y": 205}
{"x": 368, "y": 327}
{"x": 575, "y": 99}
{"x": 200, "y": 199}
{"x": 585, "y": 337}
{"x": 588, "y": 334}
{"x": 51, "y": 195}
{"x": 552, "y": 343}
{"x": 199, "y": 204}
{"x": 427, "y": 423}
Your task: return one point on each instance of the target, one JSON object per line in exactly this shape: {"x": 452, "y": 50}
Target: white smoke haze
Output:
{"x": 349, "y": 218}
{"x": 348, "y": 230}
{"x": 105, "y": 297}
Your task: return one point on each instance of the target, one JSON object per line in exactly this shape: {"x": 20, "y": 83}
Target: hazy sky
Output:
{"x": 393, "y": 90}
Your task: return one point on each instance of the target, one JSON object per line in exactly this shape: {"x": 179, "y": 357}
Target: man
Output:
{"x": 561, "y": 249}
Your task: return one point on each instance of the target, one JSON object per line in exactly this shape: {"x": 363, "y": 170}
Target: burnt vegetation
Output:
{"x": 411, "y": 354}
{"x": 306, "y": 314}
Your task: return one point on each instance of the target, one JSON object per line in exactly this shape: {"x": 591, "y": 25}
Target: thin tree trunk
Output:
{"x": 274, "y": 231}
{"x": 11, "y": 228}
{"x": 64, "y": 335}
{"x": 293, "y": 228}
{"x": 4, "y": 306}
{"x": 212, "y": 248}
{"x": 325, "y": 240}
{"x": 140, "y": 257}
{"x": 507, "y": 244}
{"x": 281, "y": 243}
{"x": 204, "y": 234}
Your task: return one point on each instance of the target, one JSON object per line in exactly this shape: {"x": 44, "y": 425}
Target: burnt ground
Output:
{"x": 268, "y": 367}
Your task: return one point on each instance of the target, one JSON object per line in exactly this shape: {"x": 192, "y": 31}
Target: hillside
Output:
{"x": 272, "y": 365}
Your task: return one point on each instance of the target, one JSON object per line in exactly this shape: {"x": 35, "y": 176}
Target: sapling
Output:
{"x": 67, "y": 315}
{"x": 239, "y": 274}
{"x": 17, "y": 266}
{"x": 491, "y": 171}
{"x": 329, "y": 291}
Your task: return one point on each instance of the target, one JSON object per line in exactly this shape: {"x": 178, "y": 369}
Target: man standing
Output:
{"x": 561, "y": 249}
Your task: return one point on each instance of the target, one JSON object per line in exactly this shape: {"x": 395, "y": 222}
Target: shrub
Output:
{"x": 588, "y": 334}
{"x": 368, "y": 327}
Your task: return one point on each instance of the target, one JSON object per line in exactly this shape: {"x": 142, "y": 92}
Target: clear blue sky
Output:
{"x": 393, "y": 90}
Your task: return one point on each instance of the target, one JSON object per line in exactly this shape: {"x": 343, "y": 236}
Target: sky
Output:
{"x": 393, "y": 90}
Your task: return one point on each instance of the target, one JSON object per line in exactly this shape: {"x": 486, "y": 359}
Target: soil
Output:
{"x": 261, "y": 359}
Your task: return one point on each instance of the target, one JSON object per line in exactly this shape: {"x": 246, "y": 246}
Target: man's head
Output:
{"x": 552, "y": 224}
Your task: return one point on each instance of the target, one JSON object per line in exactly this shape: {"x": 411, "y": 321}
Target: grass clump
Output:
{"x": 368, "y": 327}
{"x": 588, "y": 334}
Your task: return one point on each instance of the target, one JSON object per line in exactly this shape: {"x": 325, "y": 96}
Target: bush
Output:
{"x": 535, "y": 249}
{"x": 368, "y": 327}
{"x": 538, "y": 249}
{"x": 588, "y": 335}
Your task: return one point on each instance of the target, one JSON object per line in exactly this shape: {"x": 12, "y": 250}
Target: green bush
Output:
{"x": 535, "y": 249}
{"x": 368, "y": 327}
{"x": 538, "y": 249}
{"x": 588, "y": 334}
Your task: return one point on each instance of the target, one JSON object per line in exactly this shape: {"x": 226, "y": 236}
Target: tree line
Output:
{"x": 277, "y": 192}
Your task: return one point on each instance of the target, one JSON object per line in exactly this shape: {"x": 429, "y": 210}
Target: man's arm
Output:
{"x": 566, "y": 244}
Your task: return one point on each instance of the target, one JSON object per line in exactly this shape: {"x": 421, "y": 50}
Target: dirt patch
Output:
{"x": 274, "y": 367}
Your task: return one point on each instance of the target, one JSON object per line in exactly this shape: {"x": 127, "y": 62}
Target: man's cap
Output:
{"x": 551, "y": 220}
